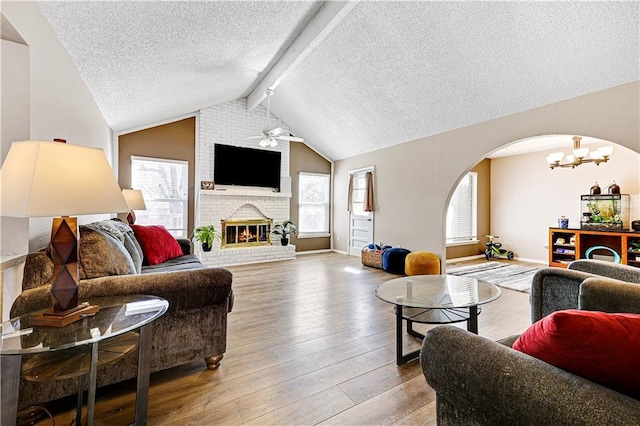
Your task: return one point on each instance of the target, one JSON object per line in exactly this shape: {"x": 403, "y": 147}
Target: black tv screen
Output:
{"x": 234, "y": 165}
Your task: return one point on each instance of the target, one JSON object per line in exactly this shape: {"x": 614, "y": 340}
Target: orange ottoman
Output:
{"x": 422, "y": 263}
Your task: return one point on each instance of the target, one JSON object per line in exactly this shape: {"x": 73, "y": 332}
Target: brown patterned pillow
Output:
{"x": 101, "y": 255}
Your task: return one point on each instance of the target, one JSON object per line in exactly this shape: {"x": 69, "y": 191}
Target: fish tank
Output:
{"x": 604, "y": 212}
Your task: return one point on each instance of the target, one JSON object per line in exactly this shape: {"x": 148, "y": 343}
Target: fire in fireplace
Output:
{"x": 240, "y": 233}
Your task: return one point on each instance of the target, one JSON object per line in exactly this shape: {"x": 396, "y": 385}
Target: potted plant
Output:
{"x": 206, "y": 235}
{"x": 284, "y": 230}
{"x": 634, "y": 249}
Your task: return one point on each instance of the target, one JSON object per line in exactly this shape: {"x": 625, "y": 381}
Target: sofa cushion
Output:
{"x": 158, "y": 245}
{"x": 601, "y": 347}
{"x": 101, "y": 255}
{"x": 182, "y": 263}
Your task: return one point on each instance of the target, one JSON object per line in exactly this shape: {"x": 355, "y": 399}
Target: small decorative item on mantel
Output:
{"x": 207, "y": 184}
{"x": 595, "y": 189}
{"x": 284, "y": 230}
{"x": 206, "y": 235}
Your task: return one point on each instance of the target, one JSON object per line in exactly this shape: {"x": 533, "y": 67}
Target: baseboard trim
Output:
{"x": 462, "y": 259}
{"x": 302, "y": 253}
{"x": 339, "y": 251}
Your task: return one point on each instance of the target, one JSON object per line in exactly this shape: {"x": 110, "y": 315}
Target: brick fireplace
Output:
{"x": 246, "y": 218}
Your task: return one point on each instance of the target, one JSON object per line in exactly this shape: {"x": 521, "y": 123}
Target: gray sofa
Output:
{"x": 481, "y": 382}
{"x": 111, "y": 263}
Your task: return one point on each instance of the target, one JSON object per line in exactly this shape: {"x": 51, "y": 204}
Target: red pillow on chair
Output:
{"x": 601, "y": 347}
{"x": 158, "y": 245}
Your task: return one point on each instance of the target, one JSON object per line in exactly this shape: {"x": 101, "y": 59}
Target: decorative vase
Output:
{"x": 206, "y": 247}
{"x": 284, "y": 241}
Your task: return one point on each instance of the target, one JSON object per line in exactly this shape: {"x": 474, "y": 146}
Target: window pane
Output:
{"x": 312, "y": 218}
{"x": 462, "y": 212}
{"x": 313, "y": 208}
{"x": 164, "y": 185}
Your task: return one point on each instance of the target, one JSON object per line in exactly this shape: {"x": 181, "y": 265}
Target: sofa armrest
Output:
{"x": 190, "y": 289}
{"x": 554, "y": 289}
{"x": 488, "y": 383}
{"x": 608, "y": 295}
{"x": 185, "y": 245}
{"x": 607, "y": 269}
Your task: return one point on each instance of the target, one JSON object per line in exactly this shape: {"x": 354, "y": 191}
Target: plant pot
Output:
{"x": 206, "y": 247}
{"x": 284, "y": 241}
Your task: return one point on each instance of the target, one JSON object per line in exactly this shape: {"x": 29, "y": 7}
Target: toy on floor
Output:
{"x": 495, "y": 250}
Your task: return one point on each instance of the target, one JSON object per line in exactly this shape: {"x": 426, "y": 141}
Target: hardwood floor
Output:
{"x": 308, "y": 343}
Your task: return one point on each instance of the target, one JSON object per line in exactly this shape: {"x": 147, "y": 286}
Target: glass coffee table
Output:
{"x": 435, "y": 299}
{"x": 74, "y": 350}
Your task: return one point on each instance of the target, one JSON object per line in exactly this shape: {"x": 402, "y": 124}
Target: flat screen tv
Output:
{"x": 234, "y": 165}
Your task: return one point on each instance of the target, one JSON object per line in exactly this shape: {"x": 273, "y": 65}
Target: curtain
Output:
{"x": 368, "y": 201}
{"x": 350, "y": 194}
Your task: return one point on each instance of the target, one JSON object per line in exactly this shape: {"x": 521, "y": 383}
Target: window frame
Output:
{"x": 326, "y": 204}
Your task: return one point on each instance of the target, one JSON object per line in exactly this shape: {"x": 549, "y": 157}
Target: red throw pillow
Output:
{"x": 601, "y": 347}
{"x": 158, "y": 245}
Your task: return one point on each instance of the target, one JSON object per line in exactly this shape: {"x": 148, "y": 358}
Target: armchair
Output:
{"x": 481, "y": 382}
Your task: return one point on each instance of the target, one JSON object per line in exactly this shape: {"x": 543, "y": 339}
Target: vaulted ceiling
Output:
{"x": 349, "y": 77}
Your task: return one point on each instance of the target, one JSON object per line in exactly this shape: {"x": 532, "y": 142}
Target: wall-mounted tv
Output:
{"x": 234, "y": 165}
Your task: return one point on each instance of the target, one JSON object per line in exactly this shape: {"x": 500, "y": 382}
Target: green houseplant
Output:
{"x": 284, "y": 230}
{"x": 206, "y": 235}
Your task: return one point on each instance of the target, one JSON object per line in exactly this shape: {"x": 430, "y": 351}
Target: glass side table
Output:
{"x": 435, "y": 299}
{"x": 118, "y": 315}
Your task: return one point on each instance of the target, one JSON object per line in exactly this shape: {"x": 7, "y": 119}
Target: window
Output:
{"x": 313, "y": 207}
{"x": 462, "y": 215}
{"x": 164, "y": 185}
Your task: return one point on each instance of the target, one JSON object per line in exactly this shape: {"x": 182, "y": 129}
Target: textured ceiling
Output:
{"x": 388, "y": 73}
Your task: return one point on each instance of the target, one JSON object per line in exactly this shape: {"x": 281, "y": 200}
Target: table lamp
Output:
{"x": 135, "y": 201}
{"x": 42, "y": 179}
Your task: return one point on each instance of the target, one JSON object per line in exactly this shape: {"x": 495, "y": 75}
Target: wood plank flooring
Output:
{"x": 308, "y": 343}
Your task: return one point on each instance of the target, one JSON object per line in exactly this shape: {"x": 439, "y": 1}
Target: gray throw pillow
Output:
{"x": 101, "y": 255}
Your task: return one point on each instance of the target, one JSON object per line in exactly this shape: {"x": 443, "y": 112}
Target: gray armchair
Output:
{"x": 555, "y": 289}
{"x": 481, "y": 382}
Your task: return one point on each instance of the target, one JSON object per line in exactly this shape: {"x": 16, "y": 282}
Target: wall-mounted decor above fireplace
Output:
{"x": 234, "y": 165}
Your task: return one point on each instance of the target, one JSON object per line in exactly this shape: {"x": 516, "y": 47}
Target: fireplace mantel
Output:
{"x": 244, "y": 193}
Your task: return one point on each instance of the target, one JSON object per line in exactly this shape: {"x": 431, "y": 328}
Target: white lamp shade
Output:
{"x": 605, "y": 151}
{"x": 556, "y": 156}
{"x": 581, "y": 152}
{"x": 40, "y": 179}
{"x": 134, "y": 199}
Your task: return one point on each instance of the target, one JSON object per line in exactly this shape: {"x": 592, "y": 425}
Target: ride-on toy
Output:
{"x": 494, "y": 249}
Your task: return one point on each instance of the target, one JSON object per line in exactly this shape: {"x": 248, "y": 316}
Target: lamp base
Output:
{"x": 62, "y": 318}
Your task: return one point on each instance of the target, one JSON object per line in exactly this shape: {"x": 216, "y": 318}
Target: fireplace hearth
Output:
{"x": 246, "y": 233}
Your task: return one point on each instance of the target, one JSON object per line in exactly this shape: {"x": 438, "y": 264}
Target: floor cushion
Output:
{"x": 422, "y": 263}
{"x": 393, "y": 260}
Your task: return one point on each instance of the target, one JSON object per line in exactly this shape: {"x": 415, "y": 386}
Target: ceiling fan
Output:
{"x": 270, "y": 137}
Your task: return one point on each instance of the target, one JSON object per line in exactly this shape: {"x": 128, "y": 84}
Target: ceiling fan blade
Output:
{"x": 264, "y": 143}
{"x": 278, "y": 131}
{"x": 256, "y": 137}
{"x": 290, "y": 138}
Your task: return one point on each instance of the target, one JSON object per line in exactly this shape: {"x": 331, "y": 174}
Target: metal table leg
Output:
{"x": 472, "y": 322}
{"x": 142, "y": 390}
{"x": 400, "y": 357}
{"x": 9, "y": 388}
{"x": 93, "y": 378}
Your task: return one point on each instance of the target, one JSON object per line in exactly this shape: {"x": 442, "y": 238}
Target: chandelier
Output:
{"x": 580, "y": 156}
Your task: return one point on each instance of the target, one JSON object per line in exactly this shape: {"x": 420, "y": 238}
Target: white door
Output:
{"x": 360, "y": 222}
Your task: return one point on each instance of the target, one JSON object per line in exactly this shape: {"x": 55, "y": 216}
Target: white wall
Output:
{"x": 414, "y": 180}
{"x": 15, "y": 127}
{"x": 61, "y": 105}
{"x": 527, "y": 197}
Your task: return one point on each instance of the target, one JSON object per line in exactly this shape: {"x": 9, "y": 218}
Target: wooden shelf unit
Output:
{"x": 561, "y": 254}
